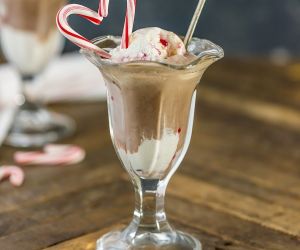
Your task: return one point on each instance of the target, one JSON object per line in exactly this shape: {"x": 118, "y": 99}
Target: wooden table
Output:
{"x": 238, "y": 187}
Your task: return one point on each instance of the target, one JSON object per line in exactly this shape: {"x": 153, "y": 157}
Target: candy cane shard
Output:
{"x": 96, "y": 18}
{"x": 15, "y": 174}
{"x": 51, "y": 155}
{"x": 103, "y": 8}
{"x": 72, "y": 35}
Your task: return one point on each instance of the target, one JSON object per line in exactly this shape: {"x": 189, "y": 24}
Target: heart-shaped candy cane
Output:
{"x": 96, "y": 18}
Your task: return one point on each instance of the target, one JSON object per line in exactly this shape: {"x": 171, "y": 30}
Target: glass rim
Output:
{"x": 215, "y": 52}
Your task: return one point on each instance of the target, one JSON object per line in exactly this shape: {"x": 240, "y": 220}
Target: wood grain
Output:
{"x": 237, "y": 189}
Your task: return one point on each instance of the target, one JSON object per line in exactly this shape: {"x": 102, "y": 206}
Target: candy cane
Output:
{"x": 128, "y": 25}
{"x": 51, "y": 155}
{"x": 96, "y": 18}
{"x": 72, "y": 35}
{"x": 15, "y": 175}
{"x": 103, "y": 8}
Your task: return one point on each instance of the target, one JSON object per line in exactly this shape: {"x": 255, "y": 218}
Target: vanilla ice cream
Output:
{"x": 150, "y": 44}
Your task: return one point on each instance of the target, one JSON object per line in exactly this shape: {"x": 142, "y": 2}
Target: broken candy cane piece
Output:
{"x": 14, "y": 173}
{"x": 52, "y": 154}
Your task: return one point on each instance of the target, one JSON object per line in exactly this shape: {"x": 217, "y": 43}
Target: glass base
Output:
{"x": 124, "y": 240}
{"x": 35, "y": 126}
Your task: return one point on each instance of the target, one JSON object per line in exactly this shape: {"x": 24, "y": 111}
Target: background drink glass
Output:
{"x": 151, "y": 112}
{"x": 29, "y": 40}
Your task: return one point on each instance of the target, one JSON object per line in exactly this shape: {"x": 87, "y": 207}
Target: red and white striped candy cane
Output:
{"x": 103, "y": 8}
{"x": 96, "y": 18}
{"x": 128, "y": 25}
{"x": 14, "y": 173}
{"x": 73, "y": 36}
{"x": 51, "y": 155}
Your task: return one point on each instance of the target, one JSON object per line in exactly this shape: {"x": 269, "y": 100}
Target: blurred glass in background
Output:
{"x": 29, "y": 41}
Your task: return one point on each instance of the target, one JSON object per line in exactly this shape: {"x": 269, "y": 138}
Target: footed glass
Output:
{"x": 30, "y": 40}
{"x": 151, "y": 112}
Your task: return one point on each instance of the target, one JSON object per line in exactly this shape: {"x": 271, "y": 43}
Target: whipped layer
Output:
{"x": 151, "y": 44}
{"x": 154, "y": 156}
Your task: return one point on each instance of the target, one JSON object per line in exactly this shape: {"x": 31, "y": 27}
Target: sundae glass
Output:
{"x": 151, "y": 78}
{"x": 151, "y": 111}
{"x": 29, "y": 40}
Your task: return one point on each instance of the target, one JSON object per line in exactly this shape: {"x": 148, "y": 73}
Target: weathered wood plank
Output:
{"x": 228, "y": 226}
{"x": 222, "y": 230}
{"x": 239, "y": 181}
{"x": 209, "y": 242}
{"x": 80, "y": 222}
{"x": 44, "y": 184}
{"x": 86, "y": 242}
{"x": 249, "y": 154}
{"x": 83, "y": 199}
{"x": 220, "y": 198}
{"x": 251, "y": 138}
{"x": 257, "y": 79}
{"x": 271, "y": 113}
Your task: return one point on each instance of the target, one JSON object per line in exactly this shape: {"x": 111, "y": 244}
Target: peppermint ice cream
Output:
{"x": 151, "y": 44}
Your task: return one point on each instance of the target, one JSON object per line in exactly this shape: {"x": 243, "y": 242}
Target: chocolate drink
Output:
{"x": 29, "y": 36}
{"x": 151, "y": 107}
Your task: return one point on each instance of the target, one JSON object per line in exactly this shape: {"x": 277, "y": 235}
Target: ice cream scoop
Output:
{"x": 150, "y": 44}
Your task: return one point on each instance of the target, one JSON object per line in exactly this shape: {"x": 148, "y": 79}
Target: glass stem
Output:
{"x": 26, "y": 103}
{"x": 149, "y": 211}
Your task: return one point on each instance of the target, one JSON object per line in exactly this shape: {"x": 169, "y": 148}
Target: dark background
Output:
{"x": 241, "y": 27}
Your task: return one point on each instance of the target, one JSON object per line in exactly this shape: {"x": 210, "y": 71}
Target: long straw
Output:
{"x": 194, "y": 22}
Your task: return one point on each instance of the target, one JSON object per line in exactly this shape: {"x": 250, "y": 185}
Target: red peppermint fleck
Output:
{"x": 179, "y": 130}
{"x": 164, "y": 42}
{"x": 158, "y": 51}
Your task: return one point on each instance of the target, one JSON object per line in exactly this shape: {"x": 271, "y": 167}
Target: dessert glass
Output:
{"x": 151, "y": 112}
{"x": 29, "y": 40}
